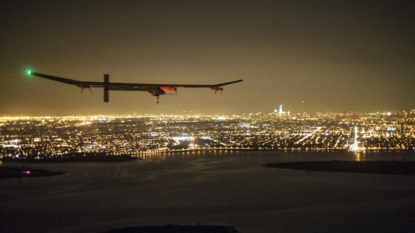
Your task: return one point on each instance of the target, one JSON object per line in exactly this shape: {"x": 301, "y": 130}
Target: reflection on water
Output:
{"x": 287, "y": 156}
{"x": 359, "y": 156}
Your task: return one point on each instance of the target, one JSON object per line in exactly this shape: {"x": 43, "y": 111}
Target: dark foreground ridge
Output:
{"x": 19, "y": 172}
{"x": 175, "y": 229}
{"x": 372, "y": 167}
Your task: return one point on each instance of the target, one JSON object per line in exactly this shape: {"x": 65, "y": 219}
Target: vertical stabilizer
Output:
{"x": 106, "y": 88}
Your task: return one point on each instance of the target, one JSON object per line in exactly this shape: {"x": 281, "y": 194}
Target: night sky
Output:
{"x": 308, "y": 55}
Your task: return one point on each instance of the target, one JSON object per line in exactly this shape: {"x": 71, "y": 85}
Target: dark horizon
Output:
{"x": 309, "y": 56}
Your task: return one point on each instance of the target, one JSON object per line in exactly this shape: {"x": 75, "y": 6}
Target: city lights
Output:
{"x": 48, "y": 137}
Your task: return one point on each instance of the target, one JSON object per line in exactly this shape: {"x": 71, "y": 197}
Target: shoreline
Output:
{"x": 101, "y": 157}
{"x": 76, "y": 158}
{"x": 274, "y": 149}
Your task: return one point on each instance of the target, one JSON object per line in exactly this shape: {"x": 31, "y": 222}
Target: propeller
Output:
{"x": 90, "y": 90}
{"x": 219, "y": 89}
{"x": 84, "y": 85}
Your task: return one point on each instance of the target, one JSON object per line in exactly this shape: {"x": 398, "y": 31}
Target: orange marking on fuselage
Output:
{"x": 168, "y": 88}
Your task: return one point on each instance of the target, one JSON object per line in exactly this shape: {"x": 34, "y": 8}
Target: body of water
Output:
{"x": 226, "y": 188}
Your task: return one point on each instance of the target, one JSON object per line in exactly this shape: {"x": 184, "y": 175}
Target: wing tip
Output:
{"x": 228, "y": 83}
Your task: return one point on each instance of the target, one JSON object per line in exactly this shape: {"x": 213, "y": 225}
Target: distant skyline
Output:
{"x": 308, "y": 55}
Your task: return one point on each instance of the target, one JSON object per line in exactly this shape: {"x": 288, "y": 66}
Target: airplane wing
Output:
{"x": 153, "y": 88}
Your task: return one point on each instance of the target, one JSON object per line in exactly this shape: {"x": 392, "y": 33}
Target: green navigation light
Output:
{"x": 29, "y": 72}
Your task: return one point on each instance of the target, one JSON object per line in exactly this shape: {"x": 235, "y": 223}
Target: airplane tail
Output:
{"x": 106, "y": 88}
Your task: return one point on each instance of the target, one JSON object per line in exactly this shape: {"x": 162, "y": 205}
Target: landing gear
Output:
{"x": 158, "y": 98}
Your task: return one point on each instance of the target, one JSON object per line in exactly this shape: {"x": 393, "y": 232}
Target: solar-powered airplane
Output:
{"x": 152, "y": 88}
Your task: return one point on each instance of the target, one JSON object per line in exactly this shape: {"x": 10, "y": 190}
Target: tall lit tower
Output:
{"x": 280, "y": 110}
{"x": 356, "y": 143}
